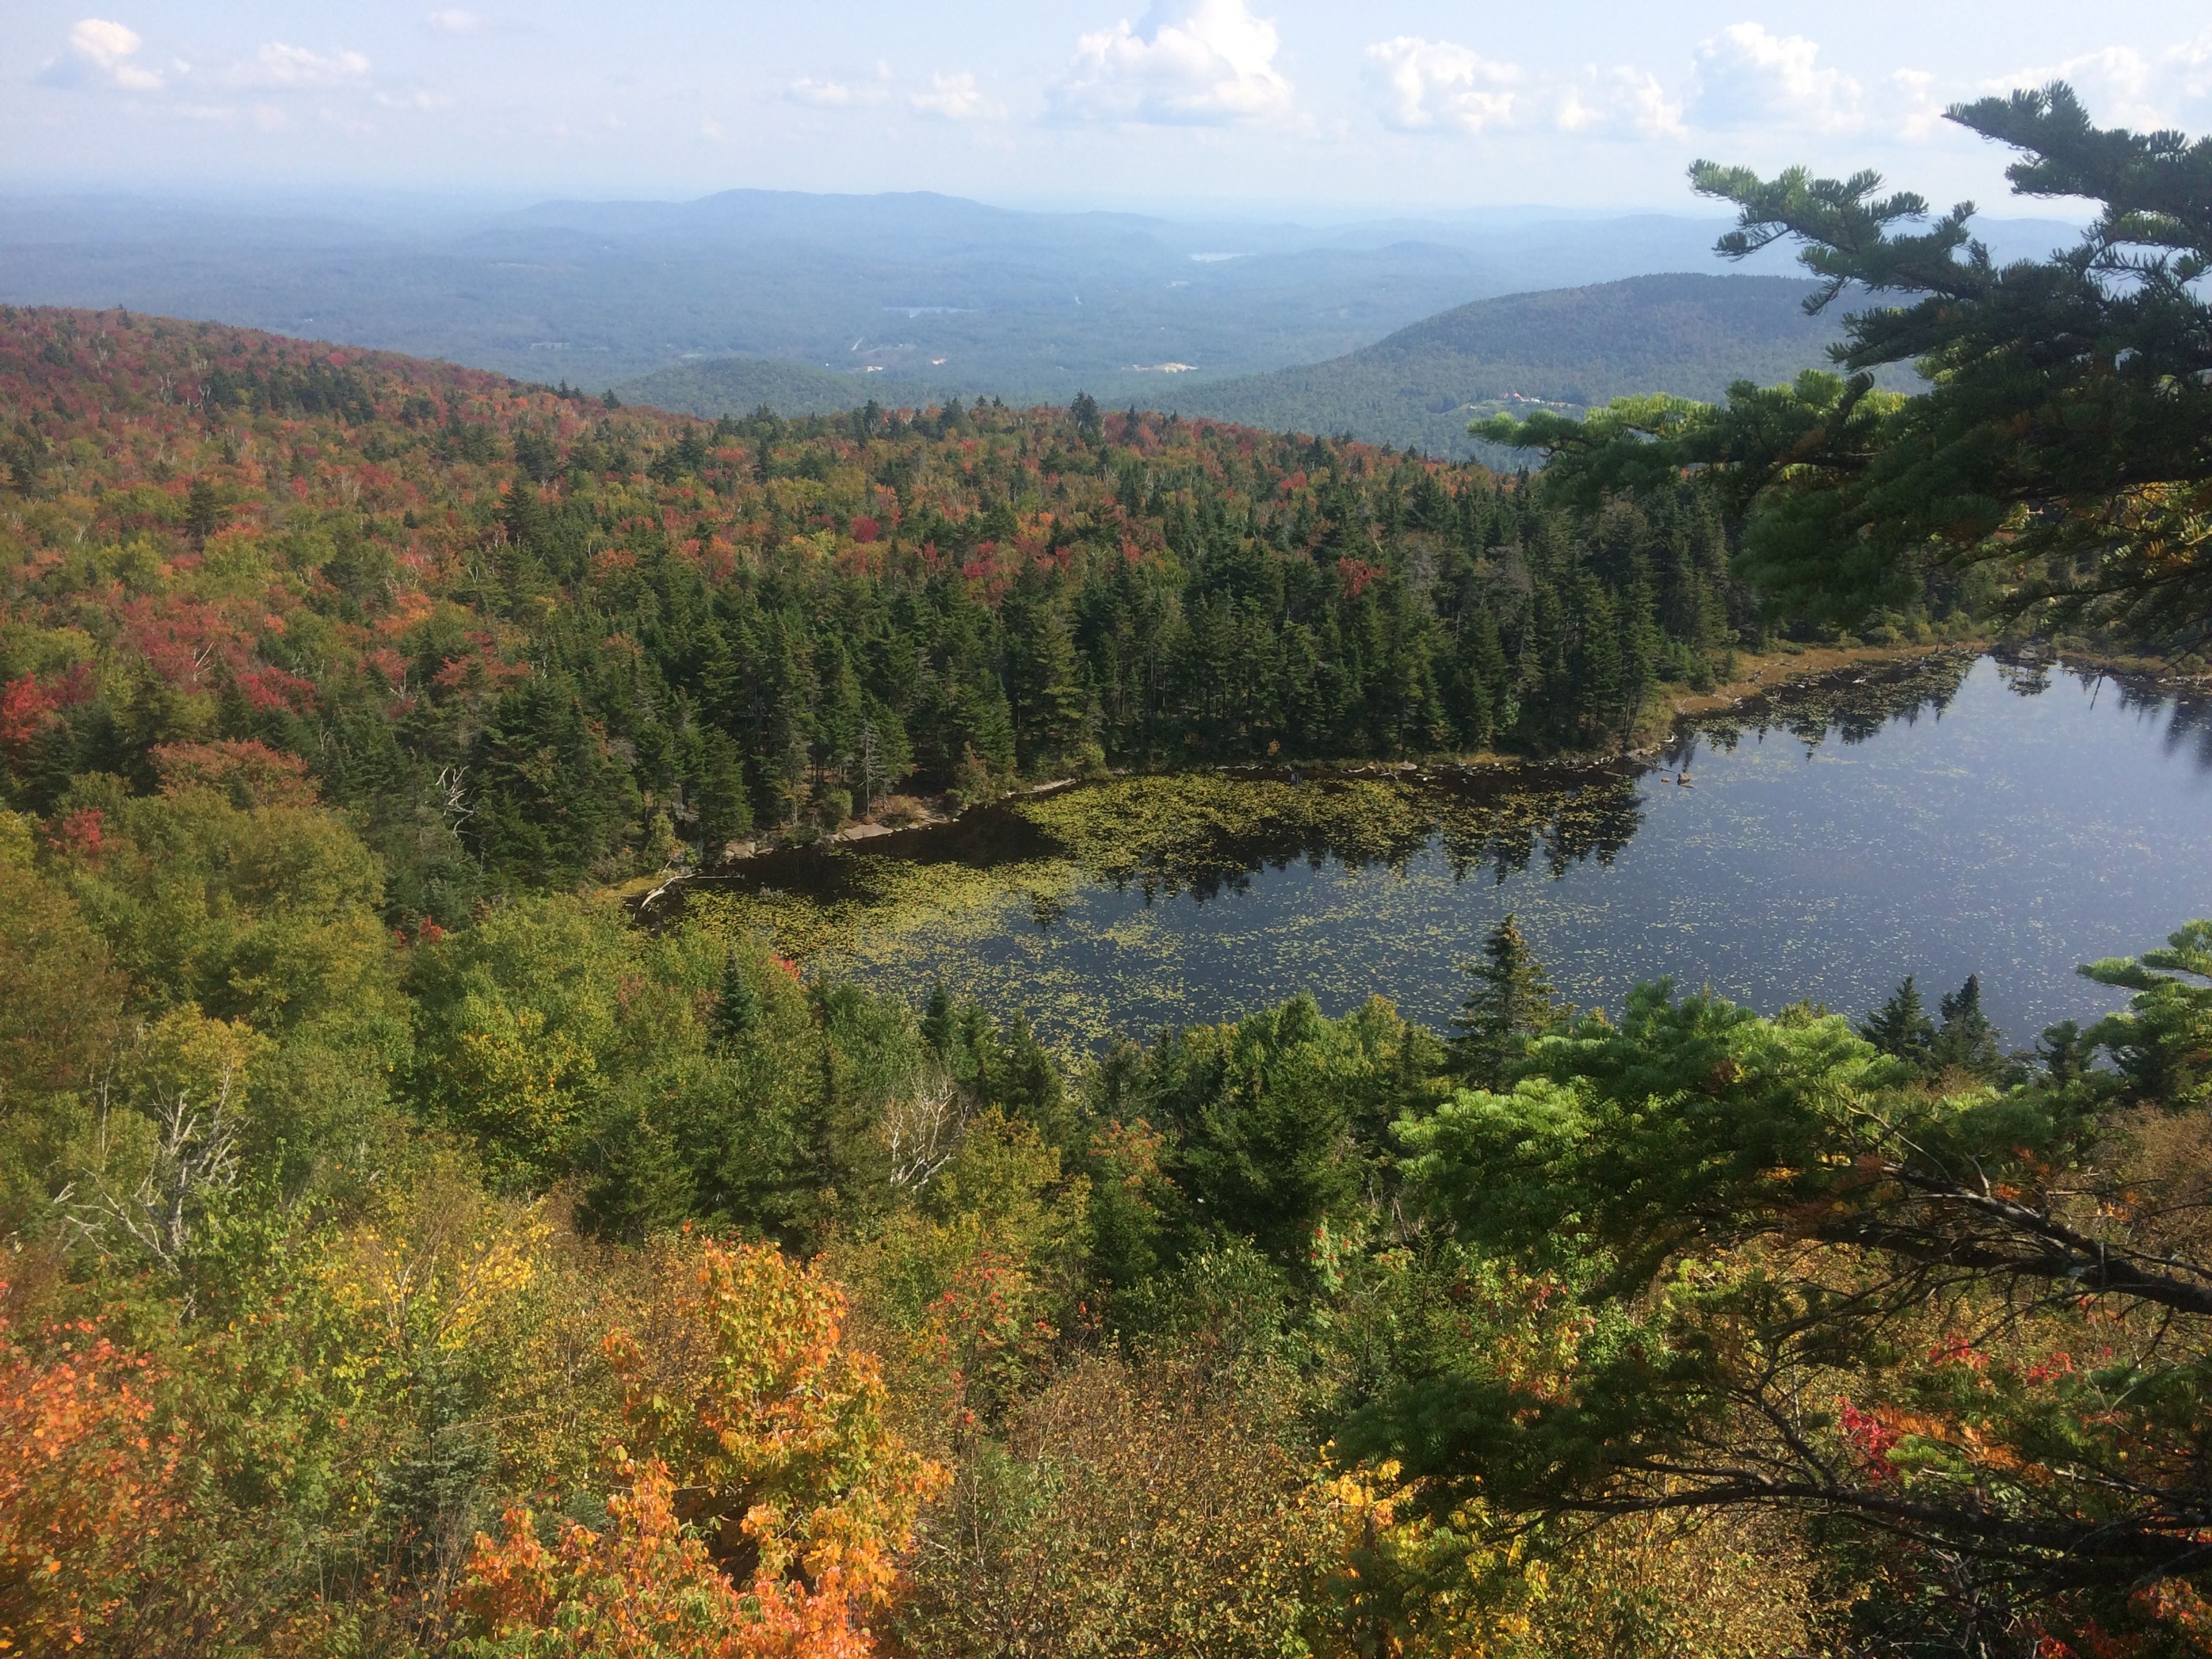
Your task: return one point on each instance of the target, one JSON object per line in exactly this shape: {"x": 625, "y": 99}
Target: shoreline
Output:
{"x": 1798, "y": 667}
{"x": 1757, "y": 677}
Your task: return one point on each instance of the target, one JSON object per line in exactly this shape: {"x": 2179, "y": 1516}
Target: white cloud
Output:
{"x": 1437, "y": 86}
{"x": 1745, "y": 77}
{"x": 956, "y": 97}
{"x": 1188, "y": 61}
{"x": 454, "y": 22}
{"x": 2118, "y": 83}
{"x": 104, "y": 44}
{"x": 1919, "y": 114}
{"x": 1616, "y": 103}
{"x": 711, "y": 130}
{"x": 1423, "y": 82}
{"x": 420, "y": 100}
{"x": 2190, "y": 65}
{"x": 827, "y": 94}
{"x": 2123, "y": 87}
{"x": 840, "y": 94}
{"x": 101, "y": 54}
{"x": 278, "y": 67}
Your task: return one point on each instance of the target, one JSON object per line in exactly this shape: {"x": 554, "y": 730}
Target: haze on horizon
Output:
{"x": 1406, "y": 106}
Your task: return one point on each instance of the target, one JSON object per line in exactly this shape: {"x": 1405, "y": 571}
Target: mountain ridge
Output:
{"x": 1687, "y": 333}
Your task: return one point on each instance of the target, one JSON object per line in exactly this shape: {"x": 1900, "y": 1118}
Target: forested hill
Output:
{"x": 1687, "y": 334}
{"x": 529, "y": 638}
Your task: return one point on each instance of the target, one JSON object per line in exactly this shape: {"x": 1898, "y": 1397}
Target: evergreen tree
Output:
{"x": 1049, "y": 699}
{"x": 535, "y": 456}
{"x": 1900, "y": 1027}
{"x": 1018, "y": 1078}
{"x": 1511, "y": 1001}
{"x": 725, "y": 812}
{"x": 1595, "y": 674}
{"x": 204, "y": 511}
{"x": 738, "y": 1011}
{"x": 641, "y": 1185}
{"x": 522, "y": 557}
{"x": 1088, "y": 425}
{"x": 1640, "y": 646}
{"x": 1967, "y": 1039}
{"x": 553, "y": 802}
{"x": 937, "y": 1021}
{"x": 522, "y": 514}
{"x": 2065, "y": 1051}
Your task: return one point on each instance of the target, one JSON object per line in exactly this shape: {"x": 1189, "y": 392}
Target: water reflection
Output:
{"x": 1851, "y": 708}
{"x": 1943, "y": 818}
{"x": 1485, "y": 819}
{"x": 2188, "y": 721}
{"x": 1551, "y": 819}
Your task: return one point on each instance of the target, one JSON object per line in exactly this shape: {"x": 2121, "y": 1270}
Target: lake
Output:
{"x": 1954, "y": 816}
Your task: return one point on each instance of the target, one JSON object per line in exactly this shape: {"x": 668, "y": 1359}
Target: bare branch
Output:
{"x": 922, "y": 1127}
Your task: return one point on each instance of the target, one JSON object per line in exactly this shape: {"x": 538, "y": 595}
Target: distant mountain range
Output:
{"x": 899, "y": 295}
{"x": 909, "y": 297}
{"x": 931, "y": 289}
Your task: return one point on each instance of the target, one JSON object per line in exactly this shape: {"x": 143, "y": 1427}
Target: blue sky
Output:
{"x": 1390, "y": 106}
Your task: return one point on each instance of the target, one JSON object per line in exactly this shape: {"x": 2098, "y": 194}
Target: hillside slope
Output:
{"x": 1684, "y": 333}
{"x": 529, "y": 639}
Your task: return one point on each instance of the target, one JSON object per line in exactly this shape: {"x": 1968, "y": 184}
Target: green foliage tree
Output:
{"x": 1900, "y": 1028}
{"x": 2162, "y": 1044}
{"x": 1510, "y": 1003}
{"x": 738, "y": 1009}
{"x": 1723, "y": 1262}
{"x": 725, "y": 806}
{"x": 204, "y": 511}
{"x": 1967, "y": 1039}
{"x": 1273, "y": 1126}
{"x": 1088, "y": 425}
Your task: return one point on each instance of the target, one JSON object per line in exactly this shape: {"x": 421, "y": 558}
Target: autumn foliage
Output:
{"x": 646, "y": 1587}
{"x": 772, "y": 1506}
{"x": 85, "y": 1484}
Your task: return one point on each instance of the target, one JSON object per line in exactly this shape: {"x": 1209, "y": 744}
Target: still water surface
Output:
{"x": 1985, "y": 819}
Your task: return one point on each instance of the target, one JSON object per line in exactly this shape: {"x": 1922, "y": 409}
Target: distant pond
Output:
{"x": 1954, "y": 816}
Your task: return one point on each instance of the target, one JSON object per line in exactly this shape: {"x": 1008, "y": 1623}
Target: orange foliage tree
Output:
{"x": 770, "y": 1499}
{"x": 86, "y": 1487}
{"x": 644, "y": 1588}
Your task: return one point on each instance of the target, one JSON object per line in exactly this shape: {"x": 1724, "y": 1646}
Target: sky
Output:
{"x": 1309, "y": 107}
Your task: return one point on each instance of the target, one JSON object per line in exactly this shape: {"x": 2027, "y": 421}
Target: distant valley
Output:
{"x": 1688, "y": 334}
{"x": 812, "y": 303}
